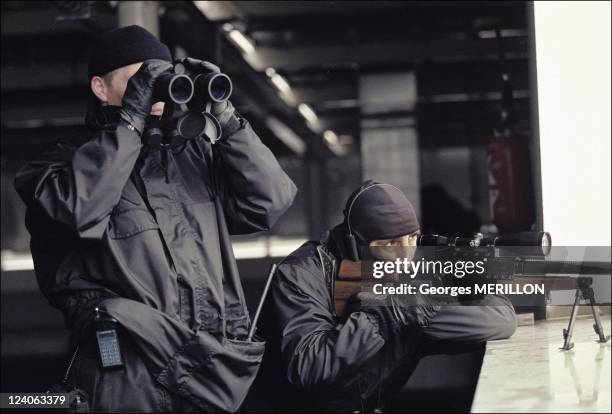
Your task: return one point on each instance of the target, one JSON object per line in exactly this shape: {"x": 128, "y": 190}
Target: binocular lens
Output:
{"x": 220, "y": 88}
{"x": 215, "y": 86}
{"x": 181, "y": 89}
{"x": 173, "y": 87}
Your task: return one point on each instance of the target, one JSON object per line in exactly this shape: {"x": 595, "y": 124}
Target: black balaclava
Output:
{"x": 377, "y": 211}
{"x": 374, "y": 211}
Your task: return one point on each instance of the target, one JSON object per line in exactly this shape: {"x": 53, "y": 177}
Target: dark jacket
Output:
{"x": 317, "y": 361}
{"x": 108, "y": 230}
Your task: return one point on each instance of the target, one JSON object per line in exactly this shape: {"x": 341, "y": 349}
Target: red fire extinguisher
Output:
{"x": 510, "y": 172}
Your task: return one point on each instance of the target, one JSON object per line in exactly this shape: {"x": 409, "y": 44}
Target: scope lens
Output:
{"x": 546, "y": 243}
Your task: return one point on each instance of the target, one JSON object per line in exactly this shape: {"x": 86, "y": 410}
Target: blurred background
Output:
{"x": 434, "y": 97}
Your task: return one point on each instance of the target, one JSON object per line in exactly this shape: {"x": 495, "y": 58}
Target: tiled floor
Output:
{"x": 529, "y": 373}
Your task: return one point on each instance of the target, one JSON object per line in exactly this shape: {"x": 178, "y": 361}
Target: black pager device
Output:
{"x": 107, "y": 338}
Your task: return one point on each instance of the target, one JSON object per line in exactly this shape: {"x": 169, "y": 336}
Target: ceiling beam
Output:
{"x": 45, "y": 21}
{"x": 288, "y": 14}
{"x": 377, "y": 55}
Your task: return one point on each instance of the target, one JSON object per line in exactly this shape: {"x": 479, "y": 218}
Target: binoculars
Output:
{"x": 181, "y": 87}
{"x": 189, "y": 97}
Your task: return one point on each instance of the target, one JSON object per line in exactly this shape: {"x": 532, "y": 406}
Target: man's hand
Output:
{"x": 223, "y": 111}
{"x": 394, "y": 312}
{"x": 378, "y": 306}
{"x": 138, "y": 96}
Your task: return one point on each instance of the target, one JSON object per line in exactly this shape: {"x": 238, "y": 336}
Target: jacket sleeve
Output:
{"x": 492, "y": 318}
{"x": 317, "y": 352}
{"x": 80, "y": 189}
{"x": 254, "y": 189}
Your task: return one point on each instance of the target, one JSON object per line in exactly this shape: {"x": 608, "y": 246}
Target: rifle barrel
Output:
{"x": 542, "y": 267}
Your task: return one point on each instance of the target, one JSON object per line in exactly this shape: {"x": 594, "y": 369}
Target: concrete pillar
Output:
{"x": 389, "y": 141}
{"x": 141, "y": 13}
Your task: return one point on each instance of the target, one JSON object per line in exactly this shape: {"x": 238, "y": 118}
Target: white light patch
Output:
{"x": 13, "y": 261}
{"x": 331, "y": 137}
{"x": 214, "y": 10}
{"x": 266, "y": 247}
{"x": 284, "y": 247}
{"x": 242, "y": 41}
{"x": 573, "y": 73}
{"x": 281, "y": 83}
{"x": 490, "y": 34}
{"x": 307, "y": 112}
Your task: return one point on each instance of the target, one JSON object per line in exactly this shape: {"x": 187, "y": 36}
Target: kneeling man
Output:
{"x": 319, "y": 361}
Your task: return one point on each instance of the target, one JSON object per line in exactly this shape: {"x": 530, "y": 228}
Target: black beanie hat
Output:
{"x": 124, "y": 46}
{"x": 379, "y": 211}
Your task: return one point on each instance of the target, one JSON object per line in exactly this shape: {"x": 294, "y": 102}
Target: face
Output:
{"x": 399, "y": 247}
{"x": 110, "y": 88}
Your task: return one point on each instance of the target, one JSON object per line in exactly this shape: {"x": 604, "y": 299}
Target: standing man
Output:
{"x": 319, "y": 361}
{"x": 114, "y": 239}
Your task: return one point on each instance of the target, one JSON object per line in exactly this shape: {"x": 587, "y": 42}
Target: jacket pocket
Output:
{"x": 224, "y": 381}
{"x": 127, "y": 223}
{"x": 213, "y": 373}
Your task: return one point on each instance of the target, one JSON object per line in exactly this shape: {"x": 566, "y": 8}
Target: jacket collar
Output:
{"x": 107, "y": 117}
{"x": 333, "y": 241}
{"x": 101, "y": 117}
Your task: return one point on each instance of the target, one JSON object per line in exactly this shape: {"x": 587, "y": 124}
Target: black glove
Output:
{"x": 378, "y": 306}
{"x": 223, "y": 111}
{"x": 138, "y": 97}
{"x": 394, "y": 313}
